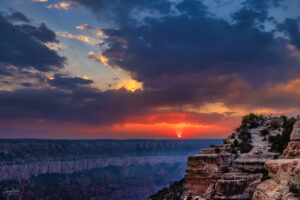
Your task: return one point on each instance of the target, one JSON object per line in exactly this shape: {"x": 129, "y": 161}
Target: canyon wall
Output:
{"x": 259, "y": 161}
{"x": 20, "y": 159}
{"x": 91, "y": 169}
{"x": 284, "y": 182}
{"x": 23, "y": 171}
{"x": 232, "y": 170}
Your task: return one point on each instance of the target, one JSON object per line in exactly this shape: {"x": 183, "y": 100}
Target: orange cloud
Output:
{"x": 83, "y": 38}
{"x": 60, "y": 5}
{"x": 130, "y": 85}
{"x": 165, "y": 130}
{"x": 98, "y": 31}
{"x": 155, "y": 126}
{"x": 101, "y": 58}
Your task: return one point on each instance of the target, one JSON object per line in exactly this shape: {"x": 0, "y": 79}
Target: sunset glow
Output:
{"x": 179, "y": 134}
{"x": 103, "y": 59}
{"x": 130, "y": 85}
{"x": 145, "y": 69}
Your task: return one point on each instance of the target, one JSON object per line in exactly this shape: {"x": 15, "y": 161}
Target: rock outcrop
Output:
{"x": 239, "y": 168}
{"x": 284, "y": 182}
{"x": 293, "y": 148}
{"x": 234, "y": 170}
{"x": 174, "y": 192}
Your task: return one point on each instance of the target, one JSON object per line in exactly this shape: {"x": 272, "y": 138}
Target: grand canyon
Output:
{"x": 92, "y": 169}
{"x": 149, "y": 99}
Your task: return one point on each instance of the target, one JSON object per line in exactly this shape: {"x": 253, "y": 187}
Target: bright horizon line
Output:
{"x": 22, "y": 138}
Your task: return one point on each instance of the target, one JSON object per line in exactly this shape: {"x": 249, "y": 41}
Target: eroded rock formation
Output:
{"x": 22, "y": 158}
{"x": 293, "y": 148}
{"x": 284, "y": 182}
{"x": 244, "y": 166}
{"x": 234, "y": 170}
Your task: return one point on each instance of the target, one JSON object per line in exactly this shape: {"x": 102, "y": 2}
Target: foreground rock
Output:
{"x": 175, "y": 192}
{"x": 222, "y": 173}
{"x": 284, "y": 183}
{"x": 284, "y": 173}
{"x": 235, "y": 169}
{"x": 293, "y": 148}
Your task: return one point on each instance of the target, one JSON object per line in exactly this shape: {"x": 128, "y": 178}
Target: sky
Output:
{"x": 160, "y": 69}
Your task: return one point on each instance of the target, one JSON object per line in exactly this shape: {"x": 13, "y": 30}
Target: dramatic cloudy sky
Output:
{"x": 145, "y": 69}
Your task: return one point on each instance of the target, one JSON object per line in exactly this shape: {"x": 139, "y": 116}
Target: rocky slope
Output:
{"x": 284, "y": 182}
{"x": 234, "y": 170}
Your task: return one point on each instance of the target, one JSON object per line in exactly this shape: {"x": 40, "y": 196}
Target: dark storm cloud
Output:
{"x": 193, "y": 41}
{"x": 89, "y": 105}
{"x": 120, "y": 12}
{"x": 82, "y": 105}
{"x": 4, "y": 72}
{"x": 26, "y": 84}
{"x": 17, "y": 17}
{"x": 63, "y": 82}
{"x": 183, "y": 57}
{"x": 261, "y": 5}
{"x": 23, "y": 46}
{"x": 291, "y": 28}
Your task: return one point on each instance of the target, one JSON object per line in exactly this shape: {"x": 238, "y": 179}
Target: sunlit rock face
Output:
{"x": 284, "y": 182}
{"x": 203, "y": 171}
{"x": 233, "y": 170}
{"x": 293, "y": 148}
{"x": 211, "y": 176}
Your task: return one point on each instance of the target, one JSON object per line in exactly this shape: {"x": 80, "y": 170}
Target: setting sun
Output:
{"x": 179, "y": 134}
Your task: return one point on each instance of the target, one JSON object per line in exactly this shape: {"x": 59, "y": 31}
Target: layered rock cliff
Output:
{"x": 92, "y": 169}
{"x": 22, "y": 158}
{"x": 284, "y": 182}
{"x": 235, "y": 169}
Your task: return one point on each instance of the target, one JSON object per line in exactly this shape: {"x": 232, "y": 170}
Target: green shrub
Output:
{"x": 264, "y": 132}
{"x": 233, "y": 151}
{"x": 236, "y": 143}
{"x": 294, "y": 185}
{"x": 279, "y": 142}
{"x": 189, "y": 198}
{"x": 275, "y": 123}
{"x": 244, "y": 135}
{"x": 265, "y": 175}
{"x": 232, "y": 136}
{"x": 245, "y": 147}
{"x": 217, "y": 150}
{"x": 251, "y": 120}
